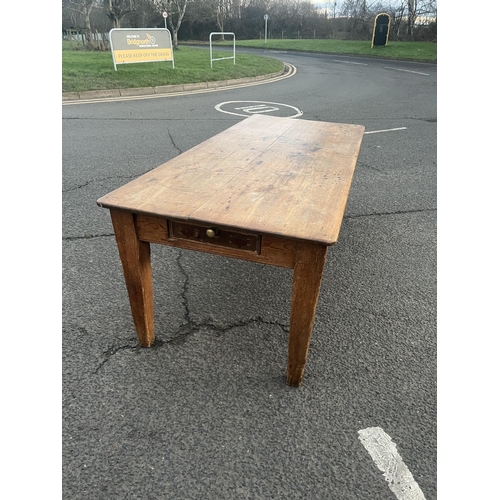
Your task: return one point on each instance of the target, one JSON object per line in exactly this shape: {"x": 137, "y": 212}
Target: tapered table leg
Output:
{"x": 308, "y": 270}
{"x": 136, "y": 263}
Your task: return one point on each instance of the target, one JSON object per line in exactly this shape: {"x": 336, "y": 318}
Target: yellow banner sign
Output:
{"x": 131, "y": 56}
{"x": 134, "y": 45}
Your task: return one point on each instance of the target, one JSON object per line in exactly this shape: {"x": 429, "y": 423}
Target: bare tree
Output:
{"x": 352, "y": 19}
{"x": 416, "y": 9}
{"x": 199, "y": 16}
{"x": 396, "y": 11}
{"x": 222, "y": 8}
{"x": 175, "y": 10}
{"x": 116, "y": 10}
{"x": 82, "y": 8}
{"x": 143, "y": 15}
{"x": 412, "y": 15}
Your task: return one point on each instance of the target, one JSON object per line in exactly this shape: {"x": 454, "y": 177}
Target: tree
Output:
{"x": 198, "y": 21}
{"x": 222, "y": 9}
{"x": 143, "y": 15}
{"x": 175, "y": 10}
{"x": 116, "y": 10}
{"x": 412, "y": 15}
{"x": 396, "y": 12}
{"x": 82, "y": 8}
{"x": 195, "y": 19}
{"x": 416, "y": 9}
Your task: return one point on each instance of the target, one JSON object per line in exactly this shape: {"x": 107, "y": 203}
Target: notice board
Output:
{"x": 135, "y": 45}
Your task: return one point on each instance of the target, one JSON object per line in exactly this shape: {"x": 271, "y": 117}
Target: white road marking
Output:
{"x": 261, "y": 108}
{"x": 385, "y": 455}
{"x": 292, "y": 70}
{"x": 407, "y": 71}
{"x": 350, "y": 62}
{"x": 258, "y": 107}
{"x": 386, "y": 130}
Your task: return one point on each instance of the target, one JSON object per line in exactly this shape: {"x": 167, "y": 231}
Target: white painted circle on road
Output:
{"x": 249, "y": 108}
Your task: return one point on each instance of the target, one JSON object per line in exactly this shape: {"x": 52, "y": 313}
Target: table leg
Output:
{"x": 308, "y": 270}
{"x": 136, "y": 263}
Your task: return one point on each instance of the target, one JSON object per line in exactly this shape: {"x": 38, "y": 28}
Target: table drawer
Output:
{"x": 214, "y": 236}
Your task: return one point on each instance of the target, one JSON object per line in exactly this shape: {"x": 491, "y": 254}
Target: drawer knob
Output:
{"x": 211, "y": 232}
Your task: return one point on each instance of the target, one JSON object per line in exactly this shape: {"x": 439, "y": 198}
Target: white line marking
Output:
{"x": 386, "y": 130}
{"x": 253, "y": 107}
{"x": 407, "y": 71}
{"x": 385, "y": 455}
{"x": 263, "y": 108}
{"x": 350, "y": 62}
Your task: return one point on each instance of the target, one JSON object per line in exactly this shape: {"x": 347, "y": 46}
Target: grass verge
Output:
{"x": 408, "y": 51}
{"x": 93, "y": 70}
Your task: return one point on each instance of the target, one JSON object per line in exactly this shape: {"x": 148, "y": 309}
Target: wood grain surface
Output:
{"x": 278, "y": 176}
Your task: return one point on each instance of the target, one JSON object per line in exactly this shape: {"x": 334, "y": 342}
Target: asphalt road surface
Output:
{"x": 206, "y": 412}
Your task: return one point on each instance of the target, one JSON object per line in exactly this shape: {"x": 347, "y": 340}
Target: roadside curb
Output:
{"x": 167, "y": 89}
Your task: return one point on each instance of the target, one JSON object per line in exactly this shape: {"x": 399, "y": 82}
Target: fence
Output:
{"x": 81, "y": 37}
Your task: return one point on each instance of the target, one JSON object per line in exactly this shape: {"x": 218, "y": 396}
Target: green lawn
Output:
{"x": 94, "y": 70}
{"x": 410, "y": 51}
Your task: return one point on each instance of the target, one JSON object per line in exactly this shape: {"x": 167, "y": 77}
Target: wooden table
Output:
{"x": 268, "y": 190}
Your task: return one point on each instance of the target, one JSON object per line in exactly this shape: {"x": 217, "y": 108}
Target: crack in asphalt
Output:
{"x": 370, "y": 166}
{"x": 184, "y": 291}
{"x": 190, "y": 326}
{"x": 429, "y": 120}
{"x": 396, "y": 212}
{"x": 80, "y": 186}
{"x": 87, "y": 237}
{"x": 109, "y": 353}
{"x": 173, "y": 142}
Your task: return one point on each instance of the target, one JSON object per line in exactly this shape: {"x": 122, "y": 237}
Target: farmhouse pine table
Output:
{"x": 269, "y": 190}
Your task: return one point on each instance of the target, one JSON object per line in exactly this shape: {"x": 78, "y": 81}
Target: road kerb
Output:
{"x": 165, "y": 89}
